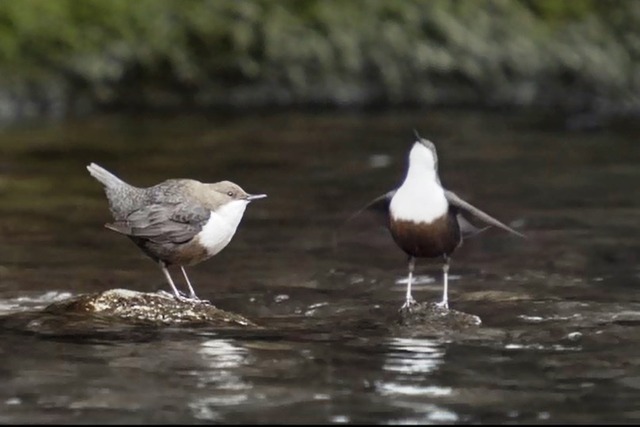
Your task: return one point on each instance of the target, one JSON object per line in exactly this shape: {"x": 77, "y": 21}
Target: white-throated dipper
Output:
{"x": 177, "y": 222}
{"x": 424, "y": 219}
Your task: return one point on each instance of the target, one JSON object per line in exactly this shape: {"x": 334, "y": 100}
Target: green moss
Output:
{"x": 259, "y": 52}
{"x": 563, "y": 10}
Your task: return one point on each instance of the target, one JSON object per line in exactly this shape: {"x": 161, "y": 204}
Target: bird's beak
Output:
{"x": 252, "y": 197}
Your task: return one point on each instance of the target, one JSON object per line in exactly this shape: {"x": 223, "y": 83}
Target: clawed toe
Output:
{"x": 408, "y": 304}
{"x": 193, "y": 299}
{"x": 190, "y": 298}
{"x": 199, "y": 300}
{"x": 182, "y": 297}
{"x": 443, "y": 304}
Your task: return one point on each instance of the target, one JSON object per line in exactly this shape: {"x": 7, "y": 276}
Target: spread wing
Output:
{"x": 164, "y": 222}
{"x": 456, "y": 201}
{"x": 379, "y": 208}
{"x": 373, "y": 215}
{"x": 466, "y": 228}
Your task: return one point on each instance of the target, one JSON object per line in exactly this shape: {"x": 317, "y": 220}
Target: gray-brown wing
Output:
{"x": 164, "y": 222}
{"x": 372, "y": 216}
{"x": 466, "y": 228}
{"x": 379, "y": 208}
{"x": 456, "y": 201}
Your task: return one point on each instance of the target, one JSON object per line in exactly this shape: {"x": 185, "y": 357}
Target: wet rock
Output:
{"x": 119, "y": 311}
{"x": 156, "y": 308}
{"x": 428, "y": 317}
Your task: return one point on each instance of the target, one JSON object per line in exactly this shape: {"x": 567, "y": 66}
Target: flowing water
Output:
{"x": 560, "y": 334}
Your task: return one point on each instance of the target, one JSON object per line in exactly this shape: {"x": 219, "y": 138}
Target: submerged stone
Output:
{"x": 428, "y": 317}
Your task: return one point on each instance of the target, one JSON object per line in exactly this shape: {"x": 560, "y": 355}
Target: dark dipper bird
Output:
{"x": 426, "y": 220}
{"x": 177, "y": 222}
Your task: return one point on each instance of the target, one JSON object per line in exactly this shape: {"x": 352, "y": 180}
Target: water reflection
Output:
{"x": 413, "y": 356}
{"x": 413, "y": 361}
{"x": 219, "y": 378}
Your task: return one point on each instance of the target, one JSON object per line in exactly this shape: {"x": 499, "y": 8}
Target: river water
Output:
{"x": 560, "y": 334}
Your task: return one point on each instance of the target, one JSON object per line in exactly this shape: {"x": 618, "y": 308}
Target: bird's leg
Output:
{"x": 176, "y": 293}
{"x": 192, "y": 293}
{"x": 409, "y": 300}
{"x": 445, "y": 273}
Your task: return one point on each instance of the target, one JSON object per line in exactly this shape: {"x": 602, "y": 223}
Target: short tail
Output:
{"x": 104, "y": 176}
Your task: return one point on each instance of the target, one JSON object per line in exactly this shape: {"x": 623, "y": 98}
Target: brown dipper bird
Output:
{"x": 426, "y": 220}
{"x": 177, "y": 222}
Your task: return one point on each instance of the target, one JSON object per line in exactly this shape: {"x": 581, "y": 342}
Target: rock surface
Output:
{"x": 155, "y": 308}
{"x": 127, "y": 314}
{"x": 120, "y": 310}
{"x": 429, "y": 318}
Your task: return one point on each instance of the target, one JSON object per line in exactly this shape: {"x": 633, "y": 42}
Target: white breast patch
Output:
{"x": 222, "y": 225}
{"x": 419, "y": 203}
{"x": 420, "y": 198}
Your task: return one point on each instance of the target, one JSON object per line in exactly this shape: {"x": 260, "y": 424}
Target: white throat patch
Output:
{"x": 222, "y": 225}
{"x": 420, "y": 198}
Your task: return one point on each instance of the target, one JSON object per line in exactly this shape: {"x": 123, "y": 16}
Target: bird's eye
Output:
{"x": 230, "y": 193}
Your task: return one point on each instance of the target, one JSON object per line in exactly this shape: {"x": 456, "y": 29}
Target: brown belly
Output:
{"x": 174, "y": 254}
{"x": 428, "y": 240}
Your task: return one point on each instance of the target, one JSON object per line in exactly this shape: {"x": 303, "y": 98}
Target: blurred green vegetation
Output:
{"x": 64, "y": 54}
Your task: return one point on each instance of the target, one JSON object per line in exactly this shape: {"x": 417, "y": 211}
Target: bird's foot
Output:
{"x": 443, "y": 305}
{"x": 180, "y": 296}
{"x": 192, "y": 298}
{"x": 183, "y": 297}
{"x": 408, "y": 304}
{"x": 165, "y": 294}
{"x": 195, "y": 298}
